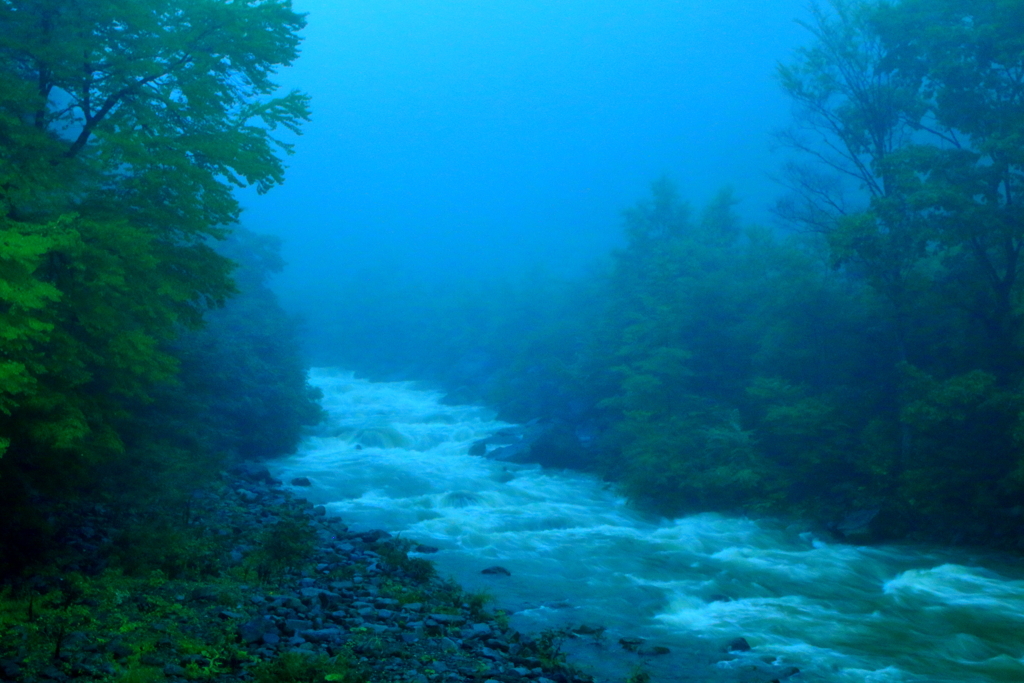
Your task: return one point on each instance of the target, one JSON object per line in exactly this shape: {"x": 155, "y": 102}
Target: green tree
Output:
{"x": 124, "y": 126}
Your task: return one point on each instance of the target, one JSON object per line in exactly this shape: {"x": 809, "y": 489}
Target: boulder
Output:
{"x": 738, "y": 645}
{"x": 496, "y": 571}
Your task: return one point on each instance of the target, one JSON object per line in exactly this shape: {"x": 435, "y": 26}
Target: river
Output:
{"x": 392, "y": 456}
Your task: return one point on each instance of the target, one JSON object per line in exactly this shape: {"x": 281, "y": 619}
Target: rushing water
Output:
{"x": 393, "y": 457}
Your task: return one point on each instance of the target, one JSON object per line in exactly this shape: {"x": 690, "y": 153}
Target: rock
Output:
{"x": 150, "y": 659}
{"x": 252, "y": 472}
{"x": 294, "y": 626}
{"x": 738, "y": 645}
{"x": 585, "y": 630}
{"x": 425, "y": 549}
{"x": 452, "y": 619}
{"x": 496, "y": 570}
{"x": 409, "y": 638}
{"x": 413, "y": 606}
{"x": 173, "y": 670}
{"x": 480, "y": 630}
{"x": 319, "y": 511}
{"x": 631, "y": 644}
{"x": 271, "y": 639}
{"x": 252, "y": 631}
{"x": 478, "y": 448}
{"x": 788, "y": 672}
{"x": 660, "y": 650}
{"x": 118, "y": 649}
{"x": 323, "y": 635}
{"x": 11, "y": 669}
{"x": 374, "y": 535}
{"x": 205, "y": 594}
{"x": 301, "y": 481}
{"x": 448, "y": 645}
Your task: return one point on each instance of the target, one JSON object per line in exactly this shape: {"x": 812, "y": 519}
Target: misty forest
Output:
{"x": 512, "y": 342}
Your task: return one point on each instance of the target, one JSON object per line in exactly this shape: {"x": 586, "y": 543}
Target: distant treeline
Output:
{"x": 867, "y": 357}
{"x": 124, "y": 129}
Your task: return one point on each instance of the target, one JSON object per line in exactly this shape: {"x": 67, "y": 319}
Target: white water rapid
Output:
{"x": 390, "y": 456}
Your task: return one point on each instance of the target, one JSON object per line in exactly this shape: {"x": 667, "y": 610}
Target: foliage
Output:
{"x": 283, "y": 546}
{"x": 294, "y": 667}
{"x": 124, "y": 128}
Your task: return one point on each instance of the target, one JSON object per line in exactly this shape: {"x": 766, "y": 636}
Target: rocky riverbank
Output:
{"x": 255, "y": 583}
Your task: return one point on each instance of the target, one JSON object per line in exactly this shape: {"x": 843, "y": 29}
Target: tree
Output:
{"x": 124, "y": 126}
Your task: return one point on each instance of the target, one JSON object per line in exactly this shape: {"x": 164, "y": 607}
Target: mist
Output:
{"x": 480, "y": 140}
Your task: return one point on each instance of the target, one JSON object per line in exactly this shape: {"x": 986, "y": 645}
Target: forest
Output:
{"x": 860, "y": 364}
{"x": 864, "y": 359}
{"x": 856, "y": 365}
{"x": 141, "y": 345}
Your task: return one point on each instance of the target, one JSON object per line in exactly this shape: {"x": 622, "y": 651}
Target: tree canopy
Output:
{"x": 124, "y": 127}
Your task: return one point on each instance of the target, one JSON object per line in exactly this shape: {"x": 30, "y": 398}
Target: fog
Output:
{"x": 465, "y": 139}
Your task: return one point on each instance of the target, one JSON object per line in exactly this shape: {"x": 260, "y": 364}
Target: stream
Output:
{"x": 392, "y": 456}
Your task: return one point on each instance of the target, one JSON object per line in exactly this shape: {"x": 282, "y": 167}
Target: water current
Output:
{"x": 392, "y": 456}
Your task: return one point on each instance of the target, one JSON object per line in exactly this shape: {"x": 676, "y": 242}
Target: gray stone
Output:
{"x": 738, "y": 645}
{"x": 480, "y": 630}
{"x": 448, "y": 645}
{"x": 413, "y": 606}
{"x": 173, "y": 670}
{"x": 301, "y": 481}
{"x": 323, "y": 635}
{"x": 496, "y": 571}
{"x": 253, "y": 630}
{"x": 452, "y": 619}
{"x": 293, "y": 626}
{"x": 271, "y": 639}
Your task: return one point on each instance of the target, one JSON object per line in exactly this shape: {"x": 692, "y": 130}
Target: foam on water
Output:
{"x": 394, "y": 457}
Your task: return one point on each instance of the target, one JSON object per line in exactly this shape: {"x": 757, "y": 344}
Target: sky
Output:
{"x": 467, "y": 138}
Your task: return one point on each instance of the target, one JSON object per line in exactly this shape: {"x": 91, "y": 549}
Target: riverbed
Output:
{"x": 393, "y": 456}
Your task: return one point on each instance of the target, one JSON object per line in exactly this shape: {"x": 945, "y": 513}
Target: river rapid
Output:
{"x": 391, "y": 456}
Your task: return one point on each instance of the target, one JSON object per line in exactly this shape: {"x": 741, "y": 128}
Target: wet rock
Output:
{"x": 374, "y": 535}
{"x": 301, "y": 481}
{"x": 252, "y": 472}
{"x": 478, "y": 448}
{"x": 425, "y": 549}
{"x": 173, "y": 670}
{"x": 631, "y": 644}
{"x": 585, "y": 630}
{"x": 738, "y": 645}
{"x": 448, "y": 619}
{"x": 497, "y": 571}
{"x": 788, "y": 672}
{"x": 480, "y": 630}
